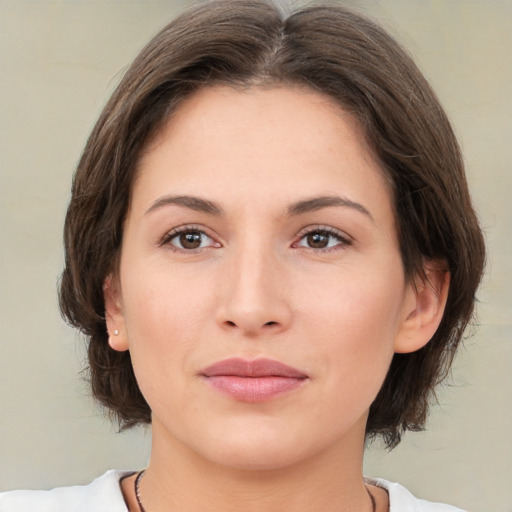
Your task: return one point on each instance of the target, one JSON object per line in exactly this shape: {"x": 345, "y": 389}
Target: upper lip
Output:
{"x": 256, "y": 368}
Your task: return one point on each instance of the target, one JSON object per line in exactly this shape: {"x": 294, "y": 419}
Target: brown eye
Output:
{"x": 323, "y": 239}
{"x": 317, "y": 240}
{"x": 189, "y": 240}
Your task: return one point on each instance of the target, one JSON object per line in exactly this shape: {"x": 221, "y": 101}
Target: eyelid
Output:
{"x": 344, "y": 238}
{"x": 174, "y": 232}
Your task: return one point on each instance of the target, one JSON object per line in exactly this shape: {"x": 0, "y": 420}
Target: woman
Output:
{"x": 272, "y": 249}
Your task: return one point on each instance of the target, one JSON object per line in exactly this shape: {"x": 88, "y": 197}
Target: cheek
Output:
{"x": 165, "y": 314}
{"x": 158, "y": 295}
{"x": 163, "y": 327}
{"x": 354, "y": 320}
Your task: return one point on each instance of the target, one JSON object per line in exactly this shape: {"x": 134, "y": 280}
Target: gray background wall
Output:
{"x": 58, "y": 63}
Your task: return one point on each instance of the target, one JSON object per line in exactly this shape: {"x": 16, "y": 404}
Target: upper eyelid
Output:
{"x": 188, "y": 227}
{"x": 342, "y": 235}
{"x": 169, "y": 235}
{"x": 327, "y": 229}
{"x": 344, "y": 240}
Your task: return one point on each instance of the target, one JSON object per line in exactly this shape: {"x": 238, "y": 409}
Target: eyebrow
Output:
{"x": 190, "y": 202}
{"x": 317, "y": 203}
{"x": 298, "y": 208}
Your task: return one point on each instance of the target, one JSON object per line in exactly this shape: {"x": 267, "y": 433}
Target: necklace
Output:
{"x": 141, "y": 508}
{"x": 372, "y": 498}
{"x": 137, "y": 491}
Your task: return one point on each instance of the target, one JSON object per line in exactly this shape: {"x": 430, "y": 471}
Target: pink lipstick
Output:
{"x": 252, "y": 381}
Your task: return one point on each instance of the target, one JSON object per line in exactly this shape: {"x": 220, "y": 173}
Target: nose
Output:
{"x": 254, "y": 297}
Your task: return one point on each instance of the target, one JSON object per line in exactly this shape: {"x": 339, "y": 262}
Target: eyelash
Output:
{"x": 343, "y": 241}
{"x": 176, "y": 232}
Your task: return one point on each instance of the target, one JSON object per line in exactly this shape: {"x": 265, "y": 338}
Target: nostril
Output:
{"x": 231, "y": 324}
{"x": 271, "y": 323}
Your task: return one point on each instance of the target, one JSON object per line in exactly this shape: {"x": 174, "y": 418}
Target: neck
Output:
{"x": 177, "y": 478}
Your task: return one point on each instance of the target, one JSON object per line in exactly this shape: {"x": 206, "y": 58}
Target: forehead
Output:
{"x": 260, "y": 142}
{"x": 294, "y": 110}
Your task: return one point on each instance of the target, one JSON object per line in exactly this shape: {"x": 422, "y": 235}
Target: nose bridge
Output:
{"x": 254, "y": 298}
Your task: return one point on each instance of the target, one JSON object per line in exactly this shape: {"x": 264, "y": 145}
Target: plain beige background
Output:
{"x": 58, "y": 63}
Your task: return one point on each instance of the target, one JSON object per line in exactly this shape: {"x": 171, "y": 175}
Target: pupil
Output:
{"x": 318, "y": 240}
{"x": 190, "y": 240}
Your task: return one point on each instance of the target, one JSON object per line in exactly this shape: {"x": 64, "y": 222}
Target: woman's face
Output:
{"x": 261, "y": 291}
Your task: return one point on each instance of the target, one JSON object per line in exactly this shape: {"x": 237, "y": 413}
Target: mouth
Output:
{"x": 253, "y": 381}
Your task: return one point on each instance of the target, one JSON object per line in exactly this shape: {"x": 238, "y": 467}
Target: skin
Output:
{"x": 262, "y": 284}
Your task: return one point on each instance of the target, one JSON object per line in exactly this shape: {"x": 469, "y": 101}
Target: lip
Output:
{"x": 258, "y": 380}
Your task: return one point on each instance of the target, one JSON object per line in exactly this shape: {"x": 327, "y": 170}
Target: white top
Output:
{"x": 104, "y": 495}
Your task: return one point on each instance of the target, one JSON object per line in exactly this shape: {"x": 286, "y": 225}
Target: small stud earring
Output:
{"x": 116, "y": 333}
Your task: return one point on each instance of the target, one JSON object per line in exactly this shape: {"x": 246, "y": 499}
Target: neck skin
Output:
{"x": 178, "y": 479}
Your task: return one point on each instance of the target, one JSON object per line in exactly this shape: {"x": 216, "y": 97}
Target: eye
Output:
{"x": 188, "y": 239}
{"x": 322, "y": 239}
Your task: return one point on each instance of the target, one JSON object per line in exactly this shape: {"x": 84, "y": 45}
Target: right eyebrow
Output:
{"x": 191, "y": 202}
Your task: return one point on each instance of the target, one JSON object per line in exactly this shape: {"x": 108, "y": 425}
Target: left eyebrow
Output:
{"x": 317, "y": 203}
{"x": 191, "y": 202}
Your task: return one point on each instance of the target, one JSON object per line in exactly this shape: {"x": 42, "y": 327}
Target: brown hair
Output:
{"x": 334, "y": 51}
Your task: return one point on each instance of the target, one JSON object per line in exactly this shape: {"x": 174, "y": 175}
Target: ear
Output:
{"x": 424, "y": 307}
{"x": 117, "y": 336}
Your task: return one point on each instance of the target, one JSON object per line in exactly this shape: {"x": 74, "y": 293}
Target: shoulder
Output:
{"x": 101, "y": 495}
{"x": 401, "y": 499}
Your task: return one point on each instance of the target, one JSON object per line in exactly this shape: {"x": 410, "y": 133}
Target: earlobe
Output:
{"x": 114, "y": 318}
{"x": 424, "y": 307}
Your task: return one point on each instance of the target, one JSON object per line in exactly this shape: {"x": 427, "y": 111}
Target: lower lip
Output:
{"x": 254, "y": 389}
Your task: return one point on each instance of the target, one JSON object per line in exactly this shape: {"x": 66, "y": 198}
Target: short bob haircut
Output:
{"x": 331, "y": 50}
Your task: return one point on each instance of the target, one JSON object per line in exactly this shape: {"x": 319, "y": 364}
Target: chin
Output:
{"x": 254, "y": 458}
{"x": 254, "y": 449}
